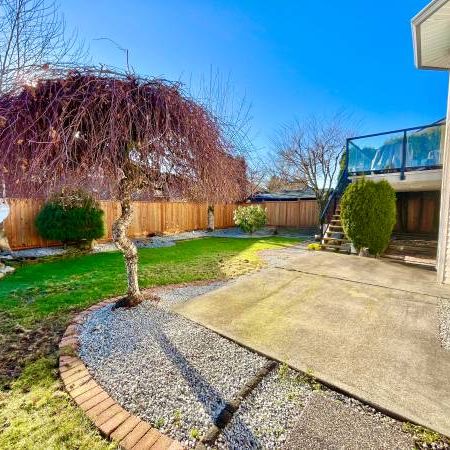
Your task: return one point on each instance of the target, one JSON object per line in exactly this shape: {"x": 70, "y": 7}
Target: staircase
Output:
{"x": 335, "y": 238}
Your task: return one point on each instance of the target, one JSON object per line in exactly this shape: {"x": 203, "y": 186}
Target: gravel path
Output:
{"x": 265, "y": 418}
{"x": 444, "y": 322}
{"x": 275, "y": 409}
{"x": 171, "y": 372}
{"x": 170, "y": 295}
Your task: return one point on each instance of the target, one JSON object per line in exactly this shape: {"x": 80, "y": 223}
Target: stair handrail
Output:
{"x": 341, "y": 184}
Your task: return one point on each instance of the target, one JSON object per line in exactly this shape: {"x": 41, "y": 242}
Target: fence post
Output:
{"x": 404, "y": 144}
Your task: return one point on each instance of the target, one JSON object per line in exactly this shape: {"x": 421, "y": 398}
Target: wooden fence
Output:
{"x": 150, "y": 217}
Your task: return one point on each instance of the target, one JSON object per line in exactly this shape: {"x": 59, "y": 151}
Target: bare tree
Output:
{"x": 233, "y": 111}
{"x": 88, "y": 127}
{"x": 309, "y": 152}
{"x": 32, "y": 36}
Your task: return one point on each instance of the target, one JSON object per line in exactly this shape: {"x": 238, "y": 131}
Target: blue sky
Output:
{"x": 289, "y": 58}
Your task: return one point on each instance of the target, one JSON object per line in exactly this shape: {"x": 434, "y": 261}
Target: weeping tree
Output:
{"x": 32, "y": 33}
{"x": 116, "y": 135}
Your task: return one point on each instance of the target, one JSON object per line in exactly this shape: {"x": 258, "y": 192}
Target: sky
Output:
{"x": 288, "y": 58}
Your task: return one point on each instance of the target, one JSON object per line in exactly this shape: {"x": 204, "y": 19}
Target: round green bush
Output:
{"x": 71, "y": 217}
{"x": 368, "y": 214}
{"x": 250, "y": 218}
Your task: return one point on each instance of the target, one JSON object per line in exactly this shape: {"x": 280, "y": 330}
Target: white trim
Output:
{"x": 428, "y": 11}
{"x": 415, "y": 181}
{"x": 416, "y": 22}
{"x": 442, "y": 259}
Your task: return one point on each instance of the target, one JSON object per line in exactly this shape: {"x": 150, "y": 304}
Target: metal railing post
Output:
{"x": 346, "y": 154}
{"x": 404, "y": 143}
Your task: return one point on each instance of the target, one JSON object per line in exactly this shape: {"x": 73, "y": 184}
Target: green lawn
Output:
{"x": 36, "y": 303}
{"x": 62, "y": 283}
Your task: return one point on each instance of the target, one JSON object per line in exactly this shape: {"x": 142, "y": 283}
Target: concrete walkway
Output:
{"x": 369, "y": 327}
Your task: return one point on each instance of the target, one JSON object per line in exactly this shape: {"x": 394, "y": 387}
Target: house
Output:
{"x": 415, "y": 161}
{"x": 285, "y": 195}
{"x": 411, "y": 161}
{"x": 431, "y": 38}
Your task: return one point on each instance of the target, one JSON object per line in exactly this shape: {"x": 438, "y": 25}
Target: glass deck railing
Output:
{"x": 404, "y": 150}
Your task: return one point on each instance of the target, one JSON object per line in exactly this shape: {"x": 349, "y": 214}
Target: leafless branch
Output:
{"x": 33, "y": 36}
{"x": 216, "y": 93}
{"x": 310, "y": 152}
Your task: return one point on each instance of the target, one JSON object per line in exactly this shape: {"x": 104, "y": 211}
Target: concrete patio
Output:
{"x": 366, "y": 326}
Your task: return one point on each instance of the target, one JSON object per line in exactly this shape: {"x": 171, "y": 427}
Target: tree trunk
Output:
{"x": 4, "y": 244}
{"x": 130, "y": 254}
{"x": 210, "y": 217}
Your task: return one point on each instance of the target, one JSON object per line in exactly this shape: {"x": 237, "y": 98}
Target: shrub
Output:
{"x": 71, "y": 217}
{"x": 368, "y": 214}
{"x": 250, "y": 218}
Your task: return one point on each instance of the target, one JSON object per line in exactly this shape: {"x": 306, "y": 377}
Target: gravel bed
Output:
{"x": 444, "y": 322}
{"x": 155, "y": 242}
{"x": 169, "y": 371}
{"x": 266, "y": 416}
{"x": 180, "y": 294}
{"x": 280, "y": 257}
{"x": 39, "y": 252}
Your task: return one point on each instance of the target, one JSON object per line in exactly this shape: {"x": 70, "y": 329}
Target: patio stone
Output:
{"x": 137, "y": 434}
{"x": 95, "y": 401}
{"x": 125, "y": 428}
{"x": 97, "y": 406}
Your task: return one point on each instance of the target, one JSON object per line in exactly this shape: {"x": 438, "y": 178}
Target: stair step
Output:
{"x": 335, "y": 233}
{"x": 335, "y": 246}
{"x": 342, "y": 240}
{"x": 340, "y": 227}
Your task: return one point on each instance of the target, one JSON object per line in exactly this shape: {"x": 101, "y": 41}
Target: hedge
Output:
{"x": 368, "y": 214}
{"x": 71, "y": 217}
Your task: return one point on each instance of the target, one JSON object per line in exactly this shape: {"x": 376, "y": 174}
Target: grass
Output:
{"x": 36, "y": 303}
{"x": 63, "y": 283}
{"x": 37, "y": 414}
{"x": 424, "y": 435}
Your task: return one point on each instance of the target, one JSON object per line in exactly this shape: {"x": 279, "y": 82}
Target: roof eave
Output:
{"x": 416, "y": 22}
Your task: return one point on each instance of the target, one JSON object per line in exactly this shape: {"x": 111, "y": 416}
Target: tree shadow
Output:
{"x": 206, "y": 394}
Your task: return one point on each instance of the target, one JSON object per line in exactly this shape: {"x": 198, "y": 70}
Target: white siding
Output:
{"x": 443, "y": 257}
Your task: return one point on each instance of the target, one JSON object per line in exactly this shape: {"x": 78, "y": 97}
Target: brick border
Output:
{"x": 113, "y": 421}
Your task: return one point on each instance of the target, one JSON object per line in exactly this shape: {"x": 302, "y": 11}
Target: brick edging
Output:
{"x": 113, "y": 421}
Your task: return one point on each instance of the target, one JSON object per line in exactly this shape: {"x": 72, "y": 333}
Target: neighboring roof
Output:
{"x": 284, "y": 196}
{"x": 431, "y": 36}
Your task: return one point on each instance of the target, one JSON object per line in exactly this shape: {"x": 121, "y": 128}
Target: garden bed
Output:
{"x": 172, "y": 373}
